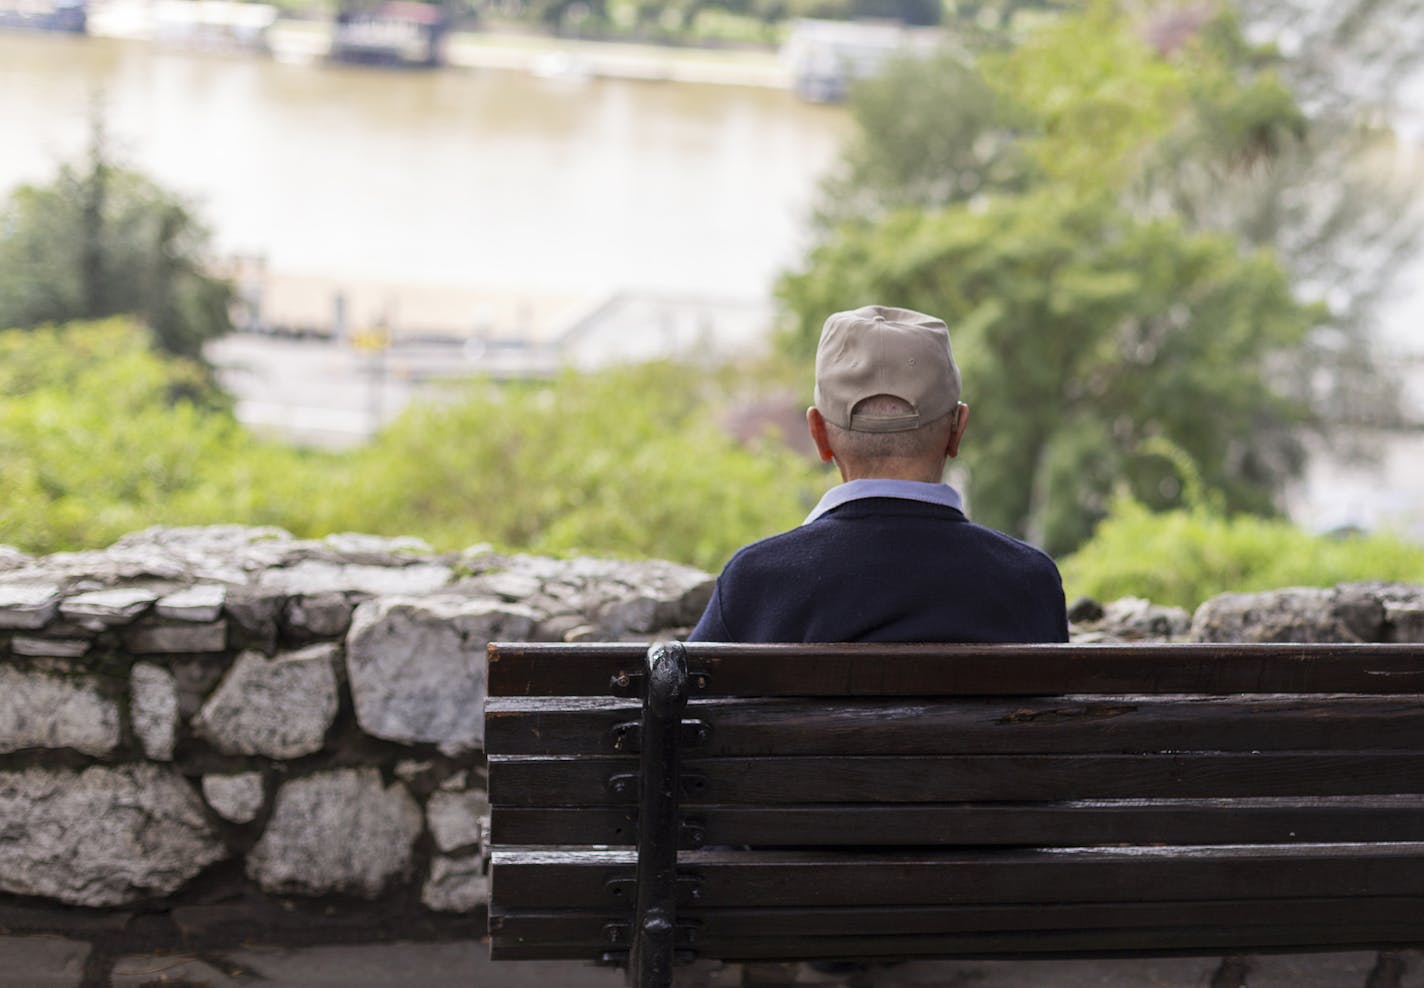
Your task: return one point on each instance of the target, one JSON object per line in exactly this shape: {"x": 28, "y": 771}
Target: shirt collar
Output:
{"x": 906, "y": 490}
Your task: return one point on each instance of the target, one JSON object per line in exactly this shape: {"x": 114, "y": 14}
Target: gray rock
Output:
{"x": 153, "y": 709}
{"x": 196, "y": 677}
{"x": 1403, "y": 605}
{"x": 620, "y": 598}
{"x": 511, "y": 586}
{"x": 341, "y": 831}
{"x": 12, "y": 558}
{"x": 455, "y": 885}
{"x": 237, "y": 798}
{"x": 45, "y": 960}
{"x": 417, "y": 666}
{"x": 177, "y": 639}
{"x": 280, "y": 707}
{"x": 559, "y": 627}
{"x": 457, "y": 782}
{"x": 28, "y": 605}
{"x": 103, "y": 837}
{"x": 315, "y": 576}
{"x": 119, "y": 605}
{"x": 255, "y": 612}
{"x": 455, "y": 819}
{"x": 208, "y": 553}
{"x": 377, "y": 550}
{"x": 1136, "y": 619}
{"x": 410, "y": 769}
{"x": 320, "y": 615}
{"x": 659, "y": 595}
{"x": 61, "y": 648}
{"x": 201, "y": 603}
{"x": 226, "y": 554}
{"x": 1348, "y": 613}
{"x": 45, "y": 710}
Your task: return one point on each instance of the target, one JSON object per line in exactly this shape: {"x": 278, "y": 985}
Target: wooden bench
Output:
{"x": 752, "y": 802}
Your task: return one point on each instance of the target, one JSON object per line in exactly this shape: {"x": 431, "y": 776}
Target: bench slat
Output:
{"x": 1035, "y": 944}
{"x": 533, "y": 879}
{"x": 588, "y": 927}
{"x": 1061, "y": 824}
{"x": 974, "y": 670}
{"x": 1060, "y": 724}
{"x": 570, "y": 781}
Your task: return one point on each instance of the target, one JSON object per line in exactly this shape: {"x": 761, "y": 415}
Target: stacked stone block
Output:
{"x": 298, "y": 718}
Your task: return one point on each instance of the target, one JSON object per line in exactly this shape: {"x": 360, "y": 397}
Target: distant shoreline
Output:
{"x": 565, "y": 60}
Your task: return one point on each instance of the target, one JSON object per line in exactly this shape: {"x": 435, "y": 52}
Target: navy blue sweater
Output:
{"x": 887, "y": 570}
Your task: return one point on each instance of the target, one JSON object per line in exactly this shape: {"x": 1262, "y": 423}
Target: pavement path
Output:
{"x": 56, "y": 962}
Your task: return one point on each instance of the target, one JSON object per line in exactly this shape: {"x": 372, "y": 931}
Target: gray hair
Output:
{"x": 869, "y": 449}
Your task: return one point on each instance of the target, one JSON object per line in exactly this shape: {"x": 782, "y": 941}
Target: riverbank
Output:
{"x": 572, "y": 60}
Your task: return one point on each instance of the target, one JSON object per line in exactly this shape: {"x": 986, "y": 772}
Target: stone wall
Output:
{"x": 204, "y": 731}
{"x": 227, "y": 733}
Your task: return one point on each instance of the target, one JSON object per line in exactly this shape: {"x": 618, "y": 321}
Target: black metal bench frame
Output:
{"x": 651, "y": 939}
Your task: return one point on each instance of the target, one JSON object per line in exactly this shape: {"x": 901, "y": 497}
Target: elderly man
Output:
{"x": 888, "y": 555}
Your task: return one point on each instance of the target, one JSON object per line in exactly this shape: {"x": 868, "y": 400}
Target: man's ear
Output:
{"x": 957, "y": 426}
{"x": 816, "y": 424}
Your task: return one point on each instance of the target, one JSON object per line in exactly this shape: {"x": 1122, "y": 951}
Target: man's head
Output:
{"x": 887, "y": 394}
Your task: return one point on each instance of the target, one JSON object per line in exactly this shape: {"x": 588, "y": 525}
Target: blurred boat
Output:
{"x": 70, "y": 16}
{"x": 395, "y": 33}
{"x": 213, "y": 24}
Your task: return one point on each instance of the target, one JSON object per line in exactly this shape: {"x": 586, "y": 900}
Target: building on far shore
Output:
{"x": 70, "y": 16}
{"x": 825, "y": 57}
{"x": 397, "y": 33}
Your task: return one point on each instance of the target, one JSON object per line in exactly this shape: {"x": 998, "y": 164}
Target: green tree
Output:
{"x": 630, "y": 461}
{"x": 1084, "y": 332}
{"x": 102, "y": 240}
{"x": 1120, "y": 216}
{"x": 100, "y": 435}
{"x": 1211, "y": 553}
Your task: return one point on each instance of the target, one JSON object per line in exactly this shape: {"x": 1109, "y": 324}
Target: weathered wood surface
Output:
{"x": 972, "y": 801}
{"x": 973, "y": 670}
{"x": 517, "y": 780}
{"x": 1030, "y": 945}
{"x": 751, "y": 921}
{"x": 535, "y": 879}
{"x": 1061, "y": 824}
{"x": 930, "y": 726}
{"x": 1036, "y": 929}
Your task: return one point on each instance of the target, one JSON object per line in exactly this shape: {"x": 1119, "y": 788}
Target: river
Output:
{"x": 481, "y": 179}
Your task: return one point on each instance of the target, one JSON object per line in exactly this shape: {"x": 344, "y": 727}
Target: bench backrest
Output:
{"x": 898, "y": 801}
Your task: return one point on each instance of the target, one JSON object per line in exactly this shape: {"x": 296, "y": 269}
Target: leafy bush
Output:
{"x": 100, "y": 436}
{"x": 629, "y": 461}
{"x": 1183, "y": 557}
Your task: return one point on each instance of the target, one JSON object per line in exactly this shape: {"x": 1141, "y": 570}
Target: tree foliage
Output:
{"x": 1083, "y": 332}
{"x": 631, "y": 461}
{"x": 100, "y": 436}
{"x": 1211, "y": 553}
{"x": 102, "y": 240}
{"x": 1124, "y": 219}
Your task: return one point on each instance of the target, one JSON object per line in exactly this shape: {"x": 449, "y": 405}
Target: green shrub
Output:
{"x": 1183, "y": 557}
{"x": 100, "y": 436}
{"x": 626, "y": 462}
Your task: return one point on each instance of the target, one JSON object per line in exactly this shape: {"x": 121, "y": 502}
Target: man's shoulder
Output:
{"x": 771, "y": 547}
{"x": 1031, "y": 554}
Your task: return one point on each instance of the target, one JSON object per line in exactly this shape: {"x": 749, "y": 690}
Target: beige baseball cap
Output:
{"x": 881, "y": 350}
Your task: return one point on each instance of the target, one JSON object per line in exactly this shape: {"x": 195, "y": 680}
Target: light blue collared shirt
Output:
{"x": 907, "y": 490}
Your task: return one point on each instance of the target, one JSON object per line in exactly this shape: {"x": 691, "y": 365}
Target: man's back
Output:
{"x": 890, "y": 570}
